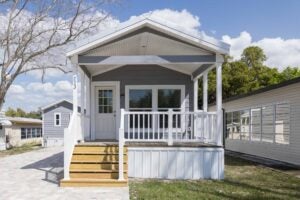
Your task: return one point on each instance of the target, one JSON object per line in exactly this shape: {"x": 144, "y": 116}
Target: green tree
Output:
{"x": 10, "y": 112}
{"x": 246, "y": 75}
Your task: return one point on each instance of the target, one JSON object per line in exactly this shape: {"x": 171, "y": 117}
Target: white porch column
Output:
{"x": 75, "y": 94}
{"x": 196, "y": 94}
{"x": 88, "y": 108}
{"x": 82, "y": 104}
{"x": 205, "y": 85}
{"x": 219, "y": 134}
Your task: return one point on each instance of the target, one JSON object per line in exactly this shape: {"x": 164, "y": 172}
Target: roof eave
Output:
{"x": 215, "y": 46}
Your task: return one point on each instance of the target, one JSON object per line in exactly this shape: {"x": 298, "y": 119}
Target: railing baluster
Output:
{"x": 148, "y": 136}
{"x": 133, "y": 130}
{"x": 143, "y": 126}
{"x": 138, "y": 136}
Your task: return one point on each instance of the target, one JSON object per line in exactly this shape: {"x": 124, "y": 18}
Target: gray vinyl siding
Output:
{"x": 283, "y": 152}
{"x": 148, "y": 75}
{"x": 51, "y": 131}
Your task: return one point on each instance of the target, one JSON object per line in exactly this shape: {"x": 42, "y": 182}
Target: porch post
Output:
{"x": 219, "y": 134}
{"x": 75, "y": 94}
{"x": 205, "y": 85}
{"x": 88, "y": 108}
{"x": 196, "y": 94}
{"x": 82, "y": 104}
{"x": 121, "y": 146}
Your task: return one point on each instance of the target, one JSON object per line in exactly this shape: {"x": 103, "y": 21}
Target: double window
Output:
{"x": 268, "y": 123}
{"x": 27, "y": 133}
{"x": 159, "y": 98}
{"x": 154, "y": 98}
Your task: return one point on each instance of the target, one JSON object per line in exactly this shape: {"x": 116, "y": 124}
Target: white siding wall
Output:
{"x": 176, "y": 163}
{"x": 283, "y": 152}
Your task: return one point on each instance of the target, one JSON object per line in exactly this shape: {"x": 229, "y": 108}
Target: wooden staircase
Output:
{"x": 96, "y": 165}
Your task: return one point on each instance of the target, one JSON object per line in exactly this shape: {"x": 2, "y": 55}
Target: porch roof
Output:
{"x": 148, "y": 41}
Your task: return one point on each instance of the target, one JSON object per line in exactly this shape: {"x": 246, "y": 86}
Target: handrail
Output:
{"x": 70, "y": 135}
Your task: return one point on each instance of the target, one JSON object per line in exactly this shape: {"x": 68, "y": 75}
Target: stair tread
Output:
{"x": 96, "y": 171}
{"x": 95, "y": 162}
{"x": 95, "y": 153}
{"x": 94, "y": 180}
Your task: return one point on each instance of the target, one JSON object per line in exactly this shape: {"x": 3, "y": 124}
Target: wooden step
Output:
{"x": 96, "y": 175}
{"x": 93, "y": 183}
{"x": 96, "y": 158}
{"x": 96, "y": 166}
{"x": 97, "y": 149}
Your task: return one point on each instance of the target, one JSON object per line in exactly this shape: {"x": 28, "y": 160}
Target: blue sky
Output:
{"x": 273, "y": 25}
{"x": 262, "y": 18}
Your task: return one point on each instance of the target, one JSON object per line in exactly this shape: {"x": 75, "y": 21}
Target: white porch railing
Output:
{"x": 70, "y": 137}
{"x": 167, "y": 126}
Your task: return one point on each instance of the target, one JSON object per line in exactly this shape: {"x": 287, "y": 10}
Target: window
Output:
{"x": 140, "y": 99}
{"x": 282, "y": 123}
{"x": 236, "y": 125}
{"x": 268, "y": 123}
{"x": 154, "y": 97}
{"x": 105, "y": 101}
{"x": 267, "y": 133}
{"x": 256, "y": 123}
{"x": 245, "y": 124}
{"x": 27, "y": 133}
{"x": 169, "y": 98}
{"x": 23, "y": 133}
{"x": 57, "y": 119}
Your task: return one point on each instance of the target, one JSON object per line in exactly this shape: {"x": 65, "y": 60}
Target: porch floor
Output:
{"x": 147, "y": 144}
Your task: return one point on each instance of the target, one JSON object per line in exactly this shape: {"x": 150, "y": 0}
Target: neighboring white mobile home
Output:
{"x": 21, "y": 131}
{"x": 139, "y": 116}
{"x": 266, "y": 122}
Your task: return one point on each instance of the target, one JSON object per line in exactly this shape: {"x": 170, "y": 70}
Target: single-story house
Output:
{"x": 266, "y": 122}
{"x": 56, "y": 117}
{"x": 21, "y": 131}
{"x": 139, "y": 118}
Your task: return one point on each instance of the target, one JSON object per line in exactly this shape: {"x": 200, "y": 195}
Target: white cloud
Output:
{"x": 37, "y": 94}
{"x": 280, "y": 52}
{"x": 16, "y": 89}
{"x": 183, "y": 19}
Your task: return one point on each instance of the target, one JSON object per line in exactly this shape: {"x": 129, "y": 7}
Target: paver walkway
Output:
{"x": 35, "y": 175}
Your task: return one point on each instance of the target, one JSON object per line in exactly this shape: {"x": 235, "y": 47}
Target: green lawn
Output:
{"x": 243, "y": 180}
{"x": 22, "y": 149}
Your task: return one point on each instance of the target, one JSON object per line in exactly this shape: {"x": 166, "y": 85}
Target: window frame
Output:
{"x": 59, "y": 114}
{"x": 155, "y": 89}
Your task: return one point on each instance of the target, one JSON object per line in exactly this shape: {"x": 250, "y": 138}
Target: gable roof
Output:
{"x": 156, "y": 24}
{"x": 56, "y": 103}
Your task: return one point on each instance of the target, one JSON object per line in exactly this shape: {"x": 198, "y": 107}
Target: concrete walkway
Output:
{"x": 36, "y": 174}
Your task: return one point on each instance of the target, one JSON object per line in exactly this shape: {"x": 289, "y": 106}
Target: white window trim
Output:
{"x": 56, "y": 113}
{"x": 155, "y": 89}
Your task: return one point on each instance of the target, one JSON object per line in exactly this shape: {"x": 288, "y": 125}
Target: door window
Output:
{"x": 105, "y": 101}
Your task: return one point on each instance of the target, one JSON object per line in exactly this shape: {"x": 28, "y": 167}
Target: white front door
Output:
{"x": 105, "y": 119}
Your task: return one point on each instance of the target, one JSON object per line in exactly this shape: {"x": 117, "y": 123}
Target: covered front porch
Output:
{"x": 138, "y": 86}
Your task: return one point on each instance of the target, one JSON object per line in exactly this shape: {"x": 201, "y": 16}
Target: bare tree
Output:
{"x": 31, "y": 30}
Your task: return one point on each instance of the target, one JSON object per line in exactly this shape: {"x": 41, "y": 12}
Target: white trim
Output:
{"x": 105, "y": 70}
{"x": 95, "y": 84}
{"x": 59, "y": 114}
{"x": 155, "y": 89}
{"x": 118, "y": 66}
{"x": 125, "y": 28}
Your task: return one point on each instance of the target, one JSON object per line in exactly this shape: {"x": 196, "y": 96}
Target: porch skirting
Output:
{"x": 176, "y": 162}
